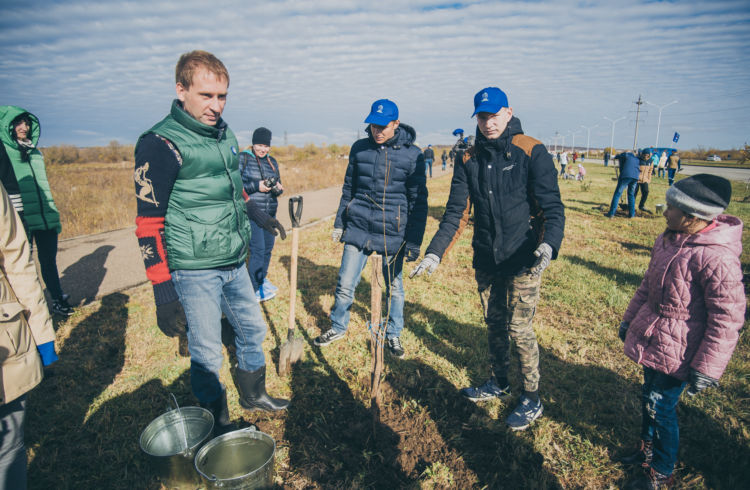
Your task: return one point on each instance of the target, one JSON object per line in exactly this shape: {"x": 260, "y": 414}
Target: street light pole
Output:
{"x": 613, "y": 121}
{"x": 573, "y": 144}
{"x": 588, "y": 137}
{"x": 658, "y": 125}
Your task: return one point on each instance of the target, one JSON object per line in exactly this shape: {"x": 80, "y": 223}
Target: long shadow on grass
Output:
{"x": 597, "y": 404}
{"x": 495, "y": 456}
{"x": 623, "y": 278}
{"x": 65, "y": 446}
{"x": 329, "y": 431}
{"x": 83, "y": 278}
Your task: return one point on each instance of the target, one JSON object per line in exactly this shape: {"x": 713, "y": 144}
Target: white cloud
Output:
{"x": 309, "y": 68}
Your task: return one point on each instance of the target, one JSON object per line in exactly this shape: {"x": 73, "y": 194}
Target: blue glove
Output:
{"x": 47, "y": 352}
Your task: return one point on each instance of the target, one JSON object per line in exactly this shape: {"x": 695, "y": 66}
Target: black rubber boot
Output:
{"x": 253, "y": 396}
{"x": 220, "y": 411}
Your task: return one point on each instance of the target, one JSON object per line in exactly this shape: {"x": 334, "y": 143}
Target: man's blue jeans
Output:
{"x": 670, "y": 175}
{"x": 352, "y": 263}
{"x": 205, "y": 295}
{"x": 428, "y": 166}
{"x": 261, "y": 246}
{"x": 622, "y": 183}
{"x": 659, "y": 398}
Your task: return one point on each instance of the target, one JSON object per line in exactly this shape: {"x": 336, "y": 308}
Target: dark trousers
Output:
{"x": 12, "y": 449}
{"x": 261, "y": 246}
{"x": 643, "y": 187}
{"x": 46, "y": 250}
{"x": 670, "y": 175}
{"x": 509, "y": 303}
{"x": 659, "y": 397}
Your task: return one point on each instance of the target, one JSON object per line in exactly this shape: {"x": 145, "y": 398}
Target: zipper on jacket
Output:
{"x": 234, "y": 189}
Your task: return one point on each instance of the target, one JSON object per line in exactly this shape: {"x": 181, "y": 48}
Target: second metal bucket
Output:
{"x": 239, "y": 459}
{"x": 172, "y": 439}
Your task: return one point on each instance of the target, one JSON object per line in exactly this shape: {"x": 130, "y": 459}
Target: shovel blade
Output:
{"x": 289, "y": 353}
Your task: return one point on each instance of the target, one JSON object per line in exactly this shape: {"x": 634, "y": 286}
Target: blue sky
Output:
{"x": 97, "y": 71}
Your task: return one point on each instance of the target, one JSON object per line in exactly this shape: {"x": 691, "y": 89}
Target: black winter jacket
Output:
{"x": 512, "y": 183}
{"x": 384, "y": 197}
{"x": 250, "y": 170}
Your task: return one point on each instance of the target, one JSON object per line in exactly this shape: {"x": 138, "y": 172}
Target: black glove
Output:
{"x": 264, "y": 220}
{"x": 699, "y": 382}
{"x": 273, "y": 226}
{"x": 170, "y": 317}
{"x": 412, "y": 252}
{"x": 623, "y": 330}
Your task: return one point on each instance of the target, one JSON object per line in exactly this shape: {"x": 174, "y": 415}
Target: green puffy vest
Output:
{"x": 39, "y": 208}
{"x": 206, "y": 224}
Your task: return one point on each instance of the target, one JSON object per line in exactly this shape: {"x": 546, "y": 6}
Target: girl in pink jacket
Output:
{"x": 683, "y": 323}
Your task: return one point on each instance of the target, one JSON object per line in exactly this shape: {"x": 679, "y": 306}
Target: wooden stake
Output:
{"x": 377, "y": 335}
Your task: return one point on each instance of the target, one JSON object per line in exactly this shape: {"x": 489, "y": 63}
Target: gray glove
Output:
{"x": 699, "y": 382}
{"x": 544, "y": 255}
{"x": 624, "y": 326}
{"x": 336, "y": 234}
{"x": 429, "y": 263}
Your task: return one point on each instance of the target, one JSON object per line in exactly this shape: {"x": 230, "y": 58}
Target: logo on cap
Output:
{"x": 380, "y": 108}
{"x": 485, "y": 97}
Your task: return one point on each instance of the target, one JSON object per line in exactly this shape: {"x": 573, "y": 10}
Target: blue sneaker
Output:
{"x": 264, "y": 295}
{"x": 487, "y": 391}
{"x": 269, "y": 287}
{"x": 525, "y": 413}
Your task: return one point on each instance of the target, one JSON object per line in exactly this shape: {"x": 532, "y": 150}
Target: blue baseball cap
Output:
{"x": 382, "y": 112}
{"x": 490, "y": 99}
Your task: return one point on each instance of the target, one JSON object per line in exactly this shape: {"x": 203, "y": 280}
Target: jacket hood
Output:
{"x": 513, "y": 128}
{"x": 727, "y": 233}
{"x": 405, "y": 136}
{"x": 7, "y": 114}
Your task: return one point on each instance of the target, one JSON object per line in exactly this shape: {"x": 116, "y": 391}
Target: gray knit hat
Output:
{"x": 704, "y": 196}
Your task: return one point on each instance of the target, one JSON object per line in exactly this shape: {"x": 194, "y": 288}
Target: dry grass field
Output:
{"x": 96, "y": 197}
{"x": 116, "y": 371}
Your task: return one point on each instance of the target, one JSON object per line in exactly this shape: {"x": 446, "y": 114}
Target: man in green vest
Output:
{"x": 193, "y": 232}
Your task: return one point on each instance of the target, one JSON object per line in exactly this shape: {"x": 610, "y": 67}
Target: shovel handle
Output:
{"x": 295, "y": 210}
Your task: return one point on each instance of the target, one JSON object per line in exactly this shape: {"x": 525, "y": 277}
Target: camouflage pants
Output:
{"x": 509, "y": 303}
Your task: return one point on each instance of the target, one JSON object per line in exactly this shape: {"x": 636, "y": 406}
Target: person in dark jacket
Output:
{"x": 32, "y": 197}
{"x": 629, "y": 172}
{"x": 429, "y": 157}
{"x": 445, "y": 158}
{"x": 262, "y": 182}
{"x": 519, "y": 220}
{"x": 193, "y": 233}
{"x": 383, "y": 209}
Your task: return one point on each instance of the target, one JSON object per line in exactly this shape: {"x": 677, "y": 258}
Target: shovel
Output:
{"x": 291, "y": 350}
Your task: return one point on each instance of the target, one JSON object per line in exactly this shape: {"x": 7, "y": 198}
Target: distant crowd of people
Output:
{"x": 203, "y": 205}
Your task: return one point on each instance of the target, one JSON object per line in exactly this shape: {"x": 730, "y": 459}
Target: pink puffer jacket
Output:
{"x": 690, "y": 306}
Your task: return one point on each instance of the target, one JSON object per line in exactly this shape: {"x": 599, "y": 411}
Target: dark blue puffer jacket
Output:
{"x": 384, "y": 197}
{"x": 251, "y": 176}
{"x": 630, "y": 165}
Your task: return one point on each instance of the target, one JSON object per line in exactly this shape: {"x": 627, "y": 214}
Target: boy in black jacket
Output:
{"x": 519, "y": 220}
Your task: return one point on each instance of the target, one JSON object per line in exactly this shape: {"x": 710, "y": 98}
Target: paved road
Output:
{"x": 741, "y": 174}
{"x": 93, "y": 266}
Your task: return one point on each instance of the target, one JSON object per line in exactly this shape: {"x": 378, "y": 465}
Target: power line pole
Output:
{"x": 286, "y": 142}
{"x": 638, "y": 103}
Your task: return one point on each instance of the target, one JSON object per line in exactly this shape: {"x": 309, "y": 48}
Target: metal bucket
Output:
{"x": 659, "y": 208}
{"x": 172, "y": 439}
{"x": 239, "y": 459}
